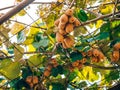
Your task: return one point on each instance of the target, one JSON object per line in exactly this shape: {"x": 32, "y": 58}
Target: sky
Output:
{"x": 31, "y": 11}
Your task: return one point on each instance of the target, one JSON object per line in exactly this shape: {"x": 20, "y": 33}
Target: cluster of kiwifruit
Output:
{"x": 77, "y": 64}
{"x": 116, "y": 53}
{"x": 32, "y": 80}
{"x": 95, "y": 55}
{"x": 53, "y": 63}
{"x": 66, "y": 24}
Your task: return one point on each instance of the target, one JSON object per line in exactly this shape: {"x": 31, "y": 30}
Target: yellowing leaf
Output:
{"x": 18, "y": 52}
{"x": 28, "y": 41}
{"x": 35, "y": 60}
{"x": 31, "y": 48}
{"x": 60, "y": 1}
{"x": 17, "y": 27}
{"x": 12, "y": 71}
{"x": 99, "y": 23}
{"x": 106, "y": 9}
{"x": 89, "y": 74}
{"x": 22, "y": 13}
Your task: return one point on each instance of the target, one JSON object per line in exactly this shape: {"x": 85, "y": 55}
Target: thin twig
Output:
{"x": 7, "y": 7}
{"x": 98, "y": 18}
{"x": 72, "y": 3}
{"x": 102, "y": 67}
{"x": 116, "y": 2}
{"x": 102, "y": 4}
{"x": 28, "y": 24}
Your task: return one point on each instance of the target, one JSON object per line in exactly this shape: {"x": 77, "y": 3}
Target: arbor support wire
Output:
{"x": 15, "y": 10}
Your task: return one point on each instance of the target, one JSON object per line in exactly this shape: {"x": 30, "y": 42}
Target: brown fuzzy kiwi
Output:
{"x": 69, "y": 41}
{"x": 72, "y": 19}
{"x": 69, "y": 27}
{"x": 59, "y": 37}
{"x": 96, "y": 52}
{"x": 56, "y": 23}
{"x": 64, "y": 45}
{"x": 83, "y": 54}
{"x": 117, "y": 46}
{"x": 94, "y": 59}
{"x": 84, "y": 60}
{"x": 47, "y": 73}
{"x": 53, "y": 60}
{"x": 55, "y": 64}
{"x": 69, "y": 12}
{"x": 113, "y": 59}
{"x": 63, "y": 32}
{"x": 35, "y": 80}
{"x": 31, "y": 85}
{"x": 90, "y": 53}
{"x": 71, "y": 68}
{"x": 116, "y": 55}
{"x": 75, "y": 64}
{"x": 49, "y": 67}
{"x": 61, "y": 26}
{"x": 29, "y": 79}
{"x": 80, "y": 66}
{"x": 76, "y": 22}
{"x": 64, "y": 19}
{"x": 101, "y": 56}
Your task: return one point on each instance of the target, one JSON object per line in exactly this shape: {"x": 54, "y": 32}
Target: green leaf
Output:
{"x": 18, "y": 84}
{"x": 105, "y": 27}
{"x": 93, "y": 87}
{"x": 82, "y": 84}
{"x": 113, "y": 75}
{"x": 26, "y": 72}
{"x": 82, "y": 15}
{"x": 58, "y": 86}
{"x": 54, "y": 72}
{"x": 60, "y": 69}
{"x": 21, "y": 37}
{"x": 1, "y": 79}
{"x": 11, "y": 71}
{"x": 38, "y": 37}
{"x": 115, "y": 24}
{"x": 116, "y": 32}
{"x": 42, "y": 43}
{"x": 72, "y": 76}
{"x": 76, "y": 56}
{"x": 101, "y": 36}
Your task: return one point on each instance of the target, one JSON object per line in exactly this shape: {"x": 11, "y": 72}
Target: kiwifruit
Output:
{"x": 69, "y": 12}
{"x": 75, "y": 64}
{"x": 96, "y": 52}
{"x": 47, "y": 73}
{"x": 59, "y": 37}
{"x": 116, "y": 55}
{"x": 35, "y": 79}
{"x": 62, "y": 31}
{"x": 69, "y": 27}
{"x": 56, "y": 23}
{"x": 64, "y": 19}
{"x": 61, "y": 26}
{"x": 69, "y": 41}
{"x": 72, "y": 19}
{"x": 117, "y": 46}
{"x": 76, "y": 22}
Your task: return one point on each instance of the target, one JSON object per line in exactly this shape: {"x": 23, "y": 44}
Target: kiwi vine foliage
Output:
{"x": 32, "y": 58}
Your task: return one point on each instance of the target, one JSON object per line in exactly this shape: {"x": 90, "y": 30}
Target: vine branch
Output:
{"x": 102, "y": 67}
{"x": 98, "y": 18}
